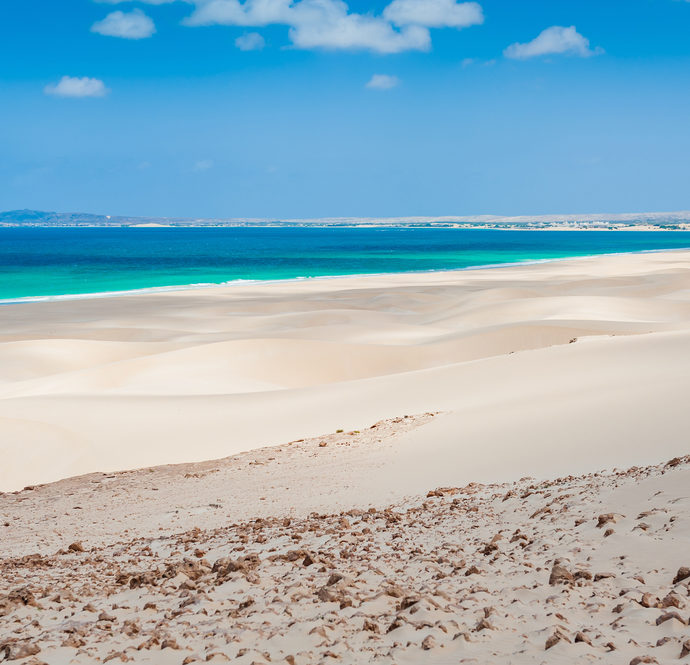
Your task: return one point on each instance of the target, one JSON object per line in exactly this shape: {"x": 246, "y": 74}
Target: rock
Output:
{"x": 472, "y": 570}
{"x": 394, "y": 591}
{"x": 327, "y": 595}
{"x": 643, "y": 659}
{"x": 608, "y": 532}
{"x": 582, "y": 637}
{"x": 19, "y": 597}
{"x": 371, "y": 626}
{"x": 396, "y": 624}
{"x": 18, "y": 650}
{"x": 648, "y": 600}
{"x": 557, "y": 636}
{"x": 76, "y": 547}
{"x": 169, "y": 643}
{"x": 104, "y": 616}
{"x": 671, "y": 600}
{"x": 223, "y": 567}
{"x": 428, "y": 643}
{"x": 484, "y": 624}
{"x": 603, "y": 576}
{"x": 582, "y": 575}
{"x": 685, "y": 649}
{"x": 560, "y": 575}
{"x": 606, "y": 518}
{"x": 334, "y": 579}
{"x": 682, "y": 574}
{"x": 667, "y": 616}
{"x": 407, "y": 602}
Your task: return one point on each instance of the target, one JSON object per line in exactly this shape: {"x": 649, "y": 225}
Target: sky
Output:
{"x": 322, "y": 108}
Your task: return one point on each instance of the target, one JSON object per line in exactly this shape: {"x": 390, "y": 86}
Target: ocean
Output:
{"x": 37, "y": 262}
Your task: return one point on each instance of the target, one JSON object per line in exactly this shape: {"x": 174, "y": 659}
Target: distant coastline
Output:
{"x": 649, "y": 221}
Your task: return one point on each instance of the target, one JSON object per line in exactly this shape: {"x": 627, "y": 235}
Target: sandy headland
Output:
{"x": 481, "y": 466}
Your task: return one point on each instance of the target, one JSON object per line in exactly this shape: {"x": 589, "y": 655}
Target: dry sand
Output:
{"x": 466, "y": 380}
{"x": 119, "y": 383}
{"x": 577, "y": 569}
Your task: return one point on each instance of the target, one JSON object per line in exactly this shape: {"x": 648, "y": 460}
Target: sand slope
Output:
{"x": 592, "y": 568}
{"x": 116, "y": 383}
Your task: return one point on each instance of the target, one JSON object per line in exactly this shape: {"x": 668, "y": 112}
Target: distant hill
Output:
{"x": 648, "y": 220}
{"x": 40, "y": 218}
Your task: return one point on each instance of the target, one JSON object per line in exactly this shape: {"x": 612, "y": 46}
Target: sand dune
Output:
{"x": 392, "y": 469}
{"x": 116, "y": 383}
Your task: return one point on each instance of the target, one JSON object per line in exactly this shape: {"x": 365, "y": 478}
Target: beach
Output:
{"x": 383, "y": 468}
{"x": 534, "y": 368}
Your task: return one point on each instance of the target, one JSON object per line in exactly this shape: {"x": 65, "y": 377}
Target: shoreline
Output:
{"x": 421, "y": 226}
{"x": 252, "y": 282}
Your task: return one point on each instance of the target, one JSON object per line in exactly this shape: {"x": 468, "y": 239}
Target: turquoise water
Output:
{"x": 50, "y": 262}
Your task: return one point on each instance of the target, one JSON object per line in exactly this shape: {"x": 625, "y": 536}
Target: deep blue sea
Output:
{"x": 61, "y": 261}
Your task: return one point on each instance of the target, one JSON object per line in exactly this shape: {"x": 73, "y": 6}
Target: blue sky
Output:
{"x": 214, "y": 108}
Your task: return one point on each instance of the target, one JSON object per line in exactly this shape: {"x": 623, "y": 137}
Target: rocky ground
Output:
{"x": 577, "y": 569}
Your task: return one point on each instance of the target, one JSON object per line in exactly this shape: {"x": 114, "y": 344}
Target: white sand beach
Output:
{"x": 261, "y": 464}
{"x": 119, "y": 383}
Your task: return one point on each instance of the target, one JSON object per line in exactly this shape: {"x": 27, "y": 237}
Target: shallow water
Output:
{"x": 61, "y": 261}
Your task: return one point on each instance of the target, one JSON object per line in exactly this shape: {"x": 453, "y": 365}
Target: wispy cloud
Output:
{"x": 552, "y": 41}
{"x": 382, "y": 82}
{"x": 127, "y": 25}
{"x": 250, "y": 41}
{"x": 471, "y": 62}
{"x": 329, "y": 24}
{"x": 74, "y": 86}
{"x": 203, "y": 165}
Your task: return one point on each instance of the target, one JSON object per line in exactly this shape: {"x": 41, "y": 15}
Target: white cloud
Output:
{"x": 554, "y": 40}
{"x": 250, "y": 41}
{"x": 318, "y": 24}
{"x": 74, "y": 86}
{"x": 326, "y": 24}
{"x": 434, "y": 13}
{"x": 234, "y": 12}
{"x": 128, "y": 25}
{"x": 471, "y": 62}
{"x": 358, "y": 32}
{"x": 382, "y": 82}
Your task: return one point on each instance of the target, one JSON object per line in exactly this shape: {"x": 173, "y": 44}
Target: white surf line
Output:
{"x": 246, "y": 282}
